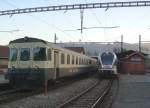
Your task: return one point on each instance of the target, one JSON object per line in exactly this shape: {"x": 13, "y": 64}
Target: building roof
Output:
{"x": 4, "y": 51}
{"x": 135, "y": 53}
{"x": 76, "y": 49}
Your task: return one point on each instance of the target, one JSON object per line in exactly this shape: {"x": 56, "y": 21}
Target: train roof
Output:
{"x": 27, "y": 39}
{"x": 57, "y": 47}
{"x": 31, "y": 39}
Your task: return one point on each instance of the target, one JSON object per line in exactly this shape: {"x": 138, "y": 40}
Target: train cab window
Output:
{"x": 107, "y": 58}
{"x": 24, "y": 54}
{"x": 68, "y": 59}
{"x": 62, "y": 58}
{"x": 39, "y": 54}
{"x": 13, "y": 54}
{"x": 49, "y": 54}
{"x": 72, "y": 59}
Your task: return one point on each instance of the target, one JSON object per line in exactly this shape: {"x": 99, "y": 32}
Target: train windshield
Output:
{"x": 39, "y": 54}
{"x": 107, "y": 58}
{"x": 25, "y": 54}
{"x": 12, "y": 54}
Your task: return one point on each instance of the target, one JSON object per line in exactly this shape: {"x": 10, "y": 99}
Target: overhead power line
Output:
{"x": 35, "y": 17}
{"x": 10, "y": 31}
{"x": 94, "y": 28}
{"x": 77, "y": 6}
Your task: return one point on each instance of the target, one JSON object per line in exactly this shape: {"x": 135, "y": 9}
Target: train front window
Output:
{"x": 12, "y": 54}
{"x": 107, "y": 58}
{"x": 24, "y": 54}
{"x": 39, "y": 54}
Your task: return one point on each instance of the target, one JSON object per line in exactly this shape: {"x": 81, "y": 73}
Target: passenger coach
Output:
{"x": 32, "y": 62}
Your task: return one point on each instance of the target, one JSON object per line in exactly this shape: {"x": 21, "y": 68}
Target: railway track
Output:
{"x": 112, "y": 95}
{"x": 90, "y": 98}
{"x": 11, "y": 95}
{"x": 5, "y": 86}
{"x": 14, "y": 94}
{"x": 7, "y": 92}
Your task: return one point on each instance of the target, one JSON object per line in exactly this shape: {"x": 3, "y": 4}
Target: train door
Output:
{"x": 25, "y": 58}
{"x": 56, "y": 64}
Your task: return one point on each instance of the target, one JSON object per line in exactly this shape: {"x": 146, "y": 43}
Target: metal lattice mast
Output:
{"x": 76, "y": 6}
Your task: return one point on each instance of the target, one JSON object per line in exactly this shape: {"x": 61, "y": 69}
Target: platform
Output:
{"x": 134, "y": 92}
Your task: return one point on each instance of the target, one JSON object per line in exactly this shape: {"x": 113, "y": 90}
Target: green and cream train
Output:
{"x": 32, "y": 62}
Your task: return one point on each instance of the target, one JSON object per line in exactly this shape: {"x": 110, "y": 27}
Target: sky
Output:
{"x": 132, "y": 22}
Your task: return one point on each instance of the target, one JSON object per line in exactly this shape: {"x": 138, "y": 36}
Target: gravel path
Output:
{"x": 54, "y": 98}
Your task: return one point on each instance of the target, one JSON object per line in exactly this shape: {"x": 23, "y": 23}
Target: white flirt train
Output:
{"x": 107, "y": 64}
{"x": 32, "y": 62}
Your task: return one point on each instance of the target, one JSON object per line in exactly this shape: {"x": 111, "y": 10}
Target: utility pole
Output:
{"x": 139, "y": 43}
{"x": 55, "y": 38}
{"x": 121, "y": 43}
{"x": 81, "y": 17}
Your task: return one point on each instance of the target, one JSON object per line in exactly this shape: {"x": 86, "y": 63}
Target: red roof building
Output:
{"x": 133, "y": 64}
{"x": 3, "y": 59}
{"x": 4, "y": 52}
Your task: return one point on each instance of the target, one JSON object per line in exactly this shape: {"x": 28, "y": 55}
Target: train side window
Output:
{"x": 68, "y": 59}
{"x": 79, "y": 61}
{"x": 72, "y": 59}
{"x": 90, "y": 62}
{"x": 82, "y": 62}
{"x": 25, "y": 54}
{"x": 13, "y": 54}
{"x": 49, "y": 52}
{"x": 62, "y": 58}
{"x": 76, "y": 60}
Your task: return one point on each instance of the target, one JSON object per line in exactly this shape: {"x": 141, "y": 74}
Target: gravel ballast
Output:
{"x": 54, "y": 97}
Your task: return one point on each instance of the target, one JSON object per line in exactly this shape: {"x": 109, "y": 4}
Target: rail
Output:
{"x": 83, "y": 99}
{"x": 101, "y": 98}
